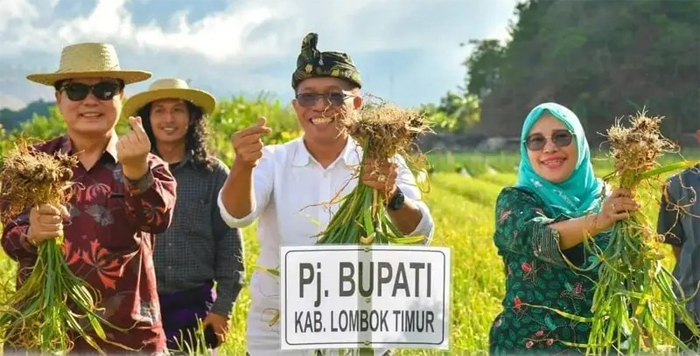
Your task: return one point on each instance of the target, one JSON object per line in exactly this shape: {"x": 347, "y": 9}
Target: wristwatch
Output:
{"x": 396, "y": 201}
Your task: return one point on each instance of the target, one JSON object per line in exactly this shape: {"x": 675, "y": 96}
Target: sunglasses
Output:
{"x": 310, "y": 99}
{"x": 561, "y": 138}
{"x": 101, "y": 90}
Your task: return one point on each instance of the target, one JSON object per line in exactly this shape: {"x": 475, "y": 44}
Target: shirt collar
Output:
{"x": 350, "y": 155}
{"x": 186, "y": 160}
{"x": 302, "y": 157}
{"x": 111, "y": 149}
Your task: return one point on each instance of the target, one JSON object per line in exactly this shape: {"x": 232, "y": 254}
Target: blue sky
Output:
{"x": 408, "y": 51}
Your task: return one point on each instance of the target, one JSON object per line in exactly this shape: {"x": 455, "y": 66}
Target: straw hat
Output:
{"x": 170, "y": 88}
{"x": 89, "y": 60}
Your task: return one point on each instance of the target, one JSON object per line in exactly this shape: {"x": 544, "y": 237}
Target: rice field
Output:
{"x": 462, "y": 193}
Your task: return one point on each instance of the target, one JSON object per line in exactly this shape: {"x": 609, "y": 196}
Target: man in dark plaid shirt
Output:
{"x": 679, "y": 223}
{"x": 199, "y": 248}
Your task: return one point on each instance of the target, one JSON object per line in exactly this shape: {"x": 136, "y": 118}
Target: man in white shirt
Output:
{"x": 286, "y": 185}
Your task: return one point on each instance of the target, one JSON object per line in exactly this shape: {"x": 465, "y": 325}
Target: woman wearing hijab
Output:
{"x": 541, "y": 224}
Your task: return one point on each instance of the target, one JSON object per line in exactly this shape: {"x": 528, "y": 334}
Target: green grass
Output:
{"x": 463, "y": 210}
{"x": 477, "y": 164}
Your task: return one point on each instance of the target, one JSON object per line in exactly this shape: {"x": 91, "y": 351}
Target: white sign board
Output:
{"x": 349, "y": 296}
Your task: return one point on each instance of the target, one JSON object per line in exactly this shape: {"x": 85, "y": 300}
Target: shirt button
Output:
{"x": 170, "y": 267}
{"x": 170, "y": 244}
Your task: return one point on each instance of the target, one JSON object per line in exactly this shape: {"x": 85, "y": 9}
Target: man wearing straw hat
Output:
{"x": 123, "y": 196}
{"x": 284, "y": 184}
{"x": 199, "y": 248}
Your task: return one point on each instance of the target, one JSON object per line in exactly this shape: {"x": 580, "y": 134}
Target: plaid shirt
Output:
{"x": 108, "y": 242}
{"x": 199, "y": 247}
{"x": 678, "y": 222}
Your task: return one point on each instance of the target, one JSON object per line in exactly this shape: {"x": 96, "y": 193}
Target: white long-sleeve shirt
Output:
{"x": 291, "y": 191}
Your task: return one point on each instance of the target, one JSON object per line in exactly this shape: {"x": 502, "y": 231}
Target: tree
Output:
{"x": 483, "y": 67}
{"x": 604, "y": 60}
{"x": 12, "y": 119}
{"x": 456, "y": 112}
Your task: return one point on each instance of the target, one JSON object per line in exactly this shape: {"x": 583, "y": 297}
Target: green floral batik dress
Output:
{"x": 537, "y": 274}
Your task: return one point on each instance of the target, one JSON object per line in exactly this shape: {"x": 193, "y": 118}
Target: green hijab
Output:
{"x": 581, "y": 192}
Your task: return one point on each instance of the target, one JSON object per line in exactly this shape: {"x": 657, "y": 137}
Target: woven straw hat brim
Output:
{"x": 128, "y": 76}
{"x": 197, "y": 97}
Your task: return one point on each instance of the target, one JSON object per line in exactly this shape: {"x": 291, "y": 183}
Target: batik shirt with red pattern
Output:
{"x": 109, "y": 242}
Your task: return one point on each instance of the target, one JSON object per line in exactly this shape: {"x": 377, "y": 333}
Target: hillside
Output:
{"x": 603, "y": 59}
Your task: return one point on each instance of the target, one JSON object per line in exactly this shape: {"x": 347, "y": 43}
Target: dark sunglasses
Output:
{"x": 101, "y": 90}
{"x": 310, "y": 99}
{"x": 561, "y": 138}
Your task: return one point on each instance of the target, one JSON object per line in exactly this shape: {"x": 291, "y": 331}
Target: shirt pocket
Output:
{"x": 120, "y": 236}
{"x": 196, "y": 215}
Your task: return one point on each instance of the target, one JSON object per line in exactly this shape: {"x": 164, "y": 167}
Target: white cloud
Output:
{"x": 15, "y": 9}
{"x": 219, "y": 37}
{"x": 252, "y": 45}
{"x": 11, "y": 102}
{"x": 109, "y": 18}
{"x": 360, "y": 25}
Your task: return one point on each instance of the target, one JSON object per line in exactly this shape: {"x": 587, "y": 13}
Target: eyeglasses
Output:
{"x": 310, "y": 99}
{"x": 101, "y": 90}
{"x": 561, "y": 138}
